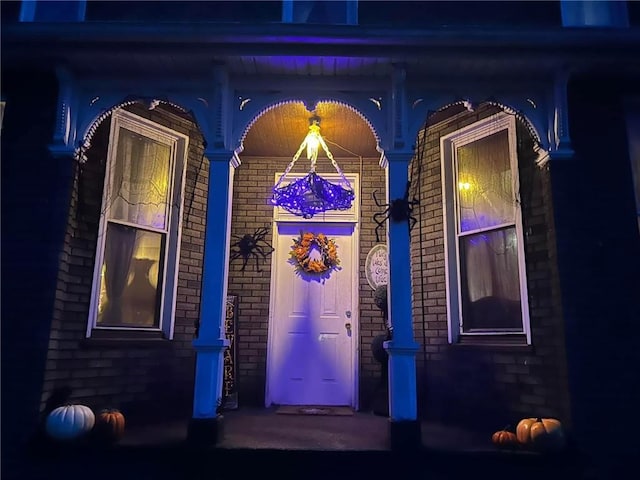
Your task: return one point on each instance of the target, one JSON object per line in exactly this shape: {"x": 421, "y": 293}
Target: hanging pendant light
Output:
{"x": 313, "y": 194}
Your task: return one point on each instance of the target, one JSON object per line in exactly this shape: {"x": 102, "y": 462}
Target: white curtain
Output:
{"x": 487, "y": 236}
{"x": 491, "y": 265}
{"x": 139, "y": 194}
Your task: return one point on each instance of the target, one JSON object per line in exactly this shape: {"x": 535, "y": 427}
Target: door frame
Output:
{"x": 351, "y": 217}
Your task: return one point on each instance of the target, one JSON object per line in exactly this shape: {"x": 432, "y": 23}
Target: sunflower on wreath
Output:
{"x": 300, "y": 254}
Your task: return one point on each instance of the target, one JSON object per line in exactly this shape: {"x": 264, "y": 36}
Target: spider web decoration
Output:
{"x": 312, "y": 194}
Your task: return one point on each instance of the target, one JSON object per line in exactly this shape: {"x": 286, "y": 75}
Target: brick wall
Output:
{"x": 140, "y": 377}
{"x": 484, "y": 386}
{"x": 252, "y": 189}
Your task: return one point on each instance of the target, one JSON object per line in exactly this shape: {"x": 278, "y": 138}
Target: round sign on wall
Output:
{"x": 376, "y": 266}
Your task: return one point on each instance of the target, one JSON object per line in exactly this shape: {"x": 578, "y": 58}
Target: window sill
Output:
{"x": 128, "y": 338}
{"x": 502, "y": 342}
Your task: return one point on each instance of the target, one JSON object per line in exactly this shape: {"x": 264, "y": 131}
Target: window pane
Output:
{"x": 131, "y": 274}
{"x": 490, "y": 281}
{"x": 485, "y": 190}
{"x": 140, "y": 184}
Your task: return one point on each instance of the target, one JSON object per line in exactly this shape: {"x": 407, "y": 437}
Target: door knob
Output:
{"x": 347, "y": 326}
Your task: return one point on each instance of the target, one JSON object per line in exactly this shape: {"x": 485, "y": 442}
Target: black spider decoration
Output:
{"x": 399, "y": 210}
{"x": 249, "y": 246}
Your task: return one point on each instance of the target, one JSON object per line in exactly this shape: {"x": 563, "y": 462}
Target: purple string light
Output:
{"x": 312, "y": 194}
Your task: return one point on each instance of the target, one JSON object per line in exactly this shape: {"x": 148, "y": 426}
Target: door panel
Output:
{"x": 311, "y": 356}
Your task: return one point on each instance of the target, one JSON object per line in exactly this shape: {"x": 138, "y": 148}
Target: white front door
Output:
{"x": 313, "y": 324}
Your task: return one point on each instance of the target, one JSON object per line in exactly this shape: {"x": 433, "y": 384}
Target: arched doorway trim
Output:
{"x": 85, "y": 142}
{"x": 258, "y": 112}
{"x": 542, "y": 146}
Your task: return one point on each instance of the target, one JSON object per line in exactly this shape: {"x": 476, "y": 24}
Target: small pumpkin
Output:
{"x": 505, "y": 438}
{"x": 69, "y": 422}
{"x": 110, "y": 424}
{"x": 545, "y": 434}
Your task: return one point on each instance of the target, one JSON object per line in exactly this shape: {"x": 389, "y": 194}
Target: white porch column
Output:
{"x": 211, "y": 342}
{"x": 402, "y": 349}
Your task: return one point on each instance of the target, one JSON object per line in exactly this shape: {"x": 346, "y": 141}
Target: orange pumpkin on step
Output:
{"x": 543, "y": 434}
{"x": 504, "y": 438}
{"x": 110, "y": 425}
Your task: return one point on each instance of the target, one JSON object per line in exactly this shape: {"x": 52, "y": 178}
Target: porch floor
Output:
{"x": 261, "y": 443}
{"x": 254, "y": 428}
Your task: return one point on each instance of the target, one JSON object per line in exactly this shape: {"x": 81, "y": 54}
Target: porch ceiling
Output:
{"x": 308, "y": 65}
{"x": 279, "y": 132}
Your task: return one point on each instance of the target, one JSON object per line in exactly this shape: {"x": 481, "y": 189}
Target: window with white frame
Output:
{"x": 139, "y": 234}
{"x": 485, "y": 267}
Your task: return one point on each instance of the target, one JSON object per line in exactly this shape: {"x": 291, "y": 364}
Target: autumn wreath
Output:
{"x": 301, "y": 253}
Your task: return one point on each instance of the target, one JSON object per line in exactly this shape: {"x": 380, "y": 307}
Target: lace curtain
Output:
{"x": 140, "y": 181}
{"x": 139, "y": 195}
